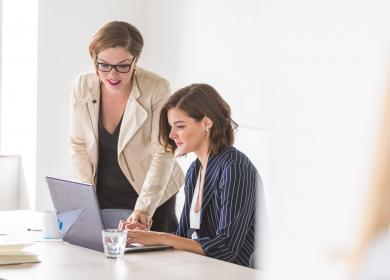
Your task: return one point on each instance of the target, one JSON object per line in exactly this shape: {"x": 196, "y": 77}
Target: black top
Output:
{"x": 113, "y": 188}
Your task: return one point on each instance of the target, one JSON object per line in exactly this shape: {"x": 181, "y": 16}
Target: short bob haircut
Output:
{"x": 198, "y": 101}
{"x": 116, "y": 34}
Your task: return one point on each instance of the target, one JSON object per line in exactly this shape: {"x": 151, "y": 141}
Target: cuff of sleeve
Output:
{"x": 212, "y": 247}
{"x": 146, "y": 208}
{"x": 207, "y": 245}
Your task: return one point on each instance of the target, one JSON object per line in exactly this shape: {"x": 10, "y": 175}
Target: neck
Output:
{"x": 203, "y": 157}
{"x": 202, "y": 153}
{"x": 117, "y": 94}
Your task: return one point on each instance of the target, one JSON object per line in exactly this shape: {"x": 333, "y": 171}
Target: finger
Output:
{"x": 144, "y": 221}
{"x": 132, "y": 233}
{"x": 122, "y": 224}
{"x": 132, "y": 218}
{"x": 133, "y": 225}
{"x": 136, "y": 224}
{"x": 129, "y": 241}
{"x": 147, "y": 221}
{"x": 141, "y": 227}
{"x": 150, "y": 223}
{"x": 132, "y": 241}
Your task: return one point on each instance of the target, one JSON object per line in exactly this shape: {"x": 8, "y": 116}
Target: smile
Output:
{"x": 113, "y": 82}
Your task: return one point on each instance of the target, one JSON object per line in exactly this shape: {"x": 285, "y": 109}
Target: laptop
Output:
{"x": 79, "y": 217}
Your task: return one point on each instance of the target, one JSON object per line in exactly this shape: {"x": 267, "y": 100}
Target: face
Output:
{"x": 189, "y": 134}
{"x": 113, "y": 80}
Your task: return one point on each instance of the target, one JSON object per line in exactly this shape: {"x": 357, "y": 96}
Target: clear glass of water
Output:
{"x": 114, "y": 242}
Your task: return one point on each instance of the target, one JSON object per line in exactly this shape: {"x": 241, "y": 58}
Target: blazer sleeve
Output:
{"x": 238, "y": 195}
{"x": 162, "y": 163}
{"x": 81, "y": 164}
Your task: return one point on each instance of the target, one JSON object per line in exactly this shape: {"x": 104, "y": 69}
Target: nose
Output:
{"x": 113, "y": 71}
{"x": 172, "y": 134}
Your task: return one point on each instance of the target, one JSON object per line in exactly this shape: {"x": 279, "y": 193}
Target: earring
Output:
{"x": 206, "y": 129}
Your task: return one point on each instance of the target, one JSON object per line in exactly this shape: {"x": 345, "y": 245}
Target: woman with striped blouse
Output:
{"x": 218, "y": 219}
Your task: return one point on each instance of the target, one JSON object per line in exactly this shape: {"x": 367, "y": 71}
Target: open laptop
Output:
{"x": 79, "y": 218}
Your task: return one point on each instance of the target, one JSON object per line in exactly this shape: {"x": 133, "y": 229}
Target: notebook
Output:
{"x": 14, "y": 253}
{"x": 79, "y": 217}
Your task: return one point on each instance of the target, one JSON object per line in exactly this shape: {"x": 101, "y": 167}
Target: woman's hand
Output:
{"x": 147, "y": 237}
{"x": 130, "y": 226}
{"x": 162, "y": 238}
{"x": 140, "y": 217}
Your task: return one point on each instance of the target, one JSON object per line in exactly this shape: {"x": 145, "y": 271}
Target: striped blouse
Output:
{"x": 227, "y": 221}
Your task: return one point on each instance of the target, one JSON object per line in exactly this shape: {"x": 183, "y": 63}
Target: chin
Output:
{"x": 182, "y": 151}
{"x": 114, "y": 88}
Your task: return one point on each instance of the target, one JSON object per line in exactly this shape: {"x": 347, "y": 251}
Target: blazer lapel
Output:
{"x": 91, "y": 119}
{"x": 133, "y": 118}
{"x": 209, "y": 184}
{"x": 193, "y": 179}
{"x": 191, "y": 183}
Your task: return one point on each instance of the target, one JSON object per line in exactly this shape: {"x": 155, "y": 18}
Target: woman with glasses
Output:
{"x": 218, "y": 218}
{"x": 114, "y": 115}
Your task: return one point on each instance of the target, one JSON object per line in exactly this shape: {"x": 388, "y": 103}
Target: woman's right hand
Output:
{"x": 140, "y": 217}
{"x": 125, "y": 225}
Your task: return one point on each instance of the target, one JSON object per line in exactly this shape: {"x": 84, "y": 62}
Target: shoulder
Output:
{"x": 85, "y": 84}
{"x": 233, "y": 157}
{"x": 148, "y": 81}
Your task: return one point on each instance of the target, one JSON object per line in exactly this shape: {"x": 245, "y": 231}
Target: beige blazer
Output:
{"x": 154, "y": 174}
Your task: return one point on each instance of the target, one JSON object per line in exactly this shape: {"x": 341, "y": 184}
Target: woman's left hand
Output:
{"x": 140, "y": 217}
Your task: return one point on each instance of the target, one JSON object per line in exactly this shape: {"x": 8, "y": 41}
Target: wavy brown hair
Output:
{"x": 116, "y": 34}
{"x": 199, "y": 101}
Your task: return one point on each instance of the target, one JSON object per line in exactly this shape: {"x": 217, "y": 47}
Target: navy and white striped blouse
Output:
{"x": 227, "y": 221}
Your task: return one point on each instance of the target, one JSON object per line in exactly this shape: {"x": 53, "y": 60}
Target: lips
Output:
{"x": 113, "y": 82}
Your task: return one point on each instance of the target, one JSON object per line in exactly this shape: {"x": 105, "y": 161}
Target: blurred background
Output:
{"x": 305, "y": 80}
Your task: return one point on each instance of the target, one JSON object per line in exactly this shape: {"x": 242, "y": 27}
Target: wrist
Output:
{"x": 165, "y": 238}
{"x": 139, "y": 211}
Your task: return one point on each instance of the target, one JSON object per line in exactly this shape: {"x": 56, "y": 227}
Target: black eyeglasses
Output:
{"x": 120, "y": 68}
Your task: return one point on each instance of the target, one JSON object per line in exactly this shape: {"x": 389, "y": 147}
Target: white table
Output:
{"x": 61, "y": 260}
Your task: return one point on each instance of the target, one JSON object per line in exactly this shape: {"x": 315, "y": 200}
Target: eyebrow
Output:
{"x": 178, "y": 122}
{"x": 113, "y": 64}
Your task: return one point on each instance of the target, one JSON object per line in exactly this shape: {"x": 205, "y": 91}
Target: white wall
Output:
{"x": 9, "y": 182}
{"x": 19, "y": 89}
{"x": 325, "y": 68}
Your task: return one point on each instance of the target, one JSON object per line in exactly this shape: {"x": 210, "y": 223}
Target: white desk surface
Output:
{"x": 61, "y": 260}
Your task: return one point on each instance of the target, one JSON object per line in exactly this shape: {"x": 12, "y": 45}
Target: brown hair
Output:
{"x": 198, "y": 101}
{"x": 116, "y": 34}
